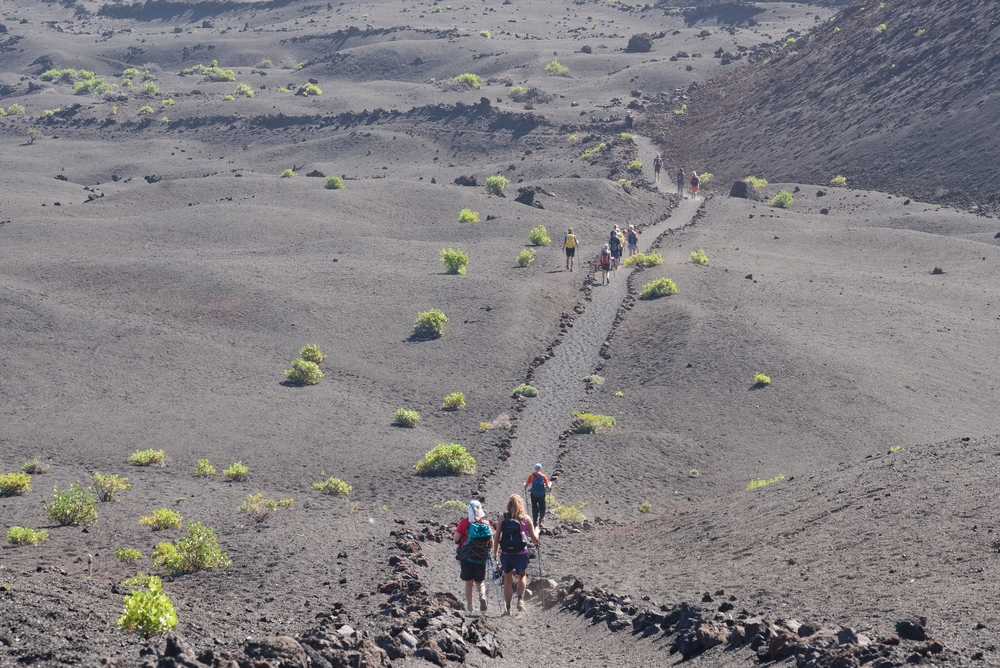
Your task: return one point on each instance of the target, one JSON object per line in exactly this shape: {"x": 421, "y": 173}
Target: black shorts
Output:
{"x": 570, "y": 252}
{"x": 472, "y": 571}
{"x": 617, "y": 253}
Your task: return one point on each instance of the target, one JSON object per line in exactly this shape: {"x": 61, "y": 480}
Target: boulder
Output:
{"x": 586, "y": 49}
{"x": 466, "y": 181}
{"x": 279, "y": 651}
{"x": 913, "y": 628}
{"x": 740, "y": 189}
{"x": 640, "y": 43}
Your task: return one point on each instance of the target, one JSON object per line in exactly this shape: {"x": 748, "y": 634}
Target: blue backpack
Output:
{"x": 477, "y": 544}
{"x": 538, "y": 486}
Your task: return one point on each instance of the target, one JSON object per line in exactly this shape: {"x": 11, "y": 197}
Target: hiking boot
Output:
{"x": 506, "y": 612}
{"x": 482, "y": 605}
{"x": 468, "y": 606}
{"x": 520, "y": 605}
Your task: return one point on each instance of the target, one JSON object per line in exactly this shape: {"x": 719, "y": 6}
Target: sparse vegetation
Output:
{"x": 920, "y": 33}
{"x": 49, "y": 113}
{"x": 289, "y": 173}
{"x": 15, "y": 110}
{"x": 238, "y": 472}
{"x": 453, "y": 506}
{"x": 661, "y": 287}
{"x": 839, "y": 181}
{"x": 591, "y": 423}
{"x": 212, "y": 72}
{"x": 21, "y": 536}
{"x": 429, "y": 324}
{"x": 149, "y": 458}
{"x": 619, "y": 394}
{"x": 34, "y": 468}
{"x": 681, "y": 109}
{"x": 643, "y": 260}
{"x": 450, "y": 459}
{"x": 755, "y": 185}
{"x": 761, "y": 379}
{"x": 468, "y": 216}
{"x": 455, "y": 261}
{"x": 694, "y": 473}
{"x": 14, "y": 484}
{"x": 625, "y": 136}
{"x": 525, "y": 390}
{"x": 895, "y": 448}
{"x": 634, "y": 166}
{"x": 169, "y": 102}
{"x": 148, "y": 611}
{"x": 162, "y": 518}
{"x": 145, "y": 110}
{"x": 485, "y": 33}
{"x": 128, "y": 555}
{"x": 469, "y": 79}
{"x": 645, "y": 507}
{"x": 197, "y": 551}
{"x": 699, "y": 257}
{"x": 555, "y": 68}
{"x": 311, "y": 353}
{"x": 308, "y": 89}
{"x": 333, "y": 487}
{"x": 72, "y": 507}
{"x": 228, "y": 98}
{"x": 298, "y": 66}
{"x": 757, "y": 483}
{"x": 107, "y": 486}
{"x": 454, "y": 401}
{"x": 151, "y": 89}
{"x": 572, "y": 139}
{"x": 334, "y": 183}
{"x": 304, "y": 372}
{"x": 258, "y": 508}
{"x": 590, "y": 153}
{"x": 244, "y": 89}
{"x": 539, "y": 236}
{"x": 704, "y": 178}
{"x": 783, "y": 200}
{"x": 563, "y": 512}
{"x": 495, "y": 184}
{"x": 404, "y": 417}
{"x": 33, "y": 134}
{"x": 594, "y": 379}
{"x": 525, "y": 257}
{"x": 881, "y": 28}
{"x": 517, "y": 92}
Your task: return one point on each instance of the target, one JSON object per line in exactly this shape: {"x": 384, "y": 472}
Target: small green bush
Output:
{"x": 334, "y": 183}
{"x": 619, "y": 394}
{"x": 162, "y": 518}
{"x": 145, "y": 110}
{"x": 450, "y": 459}
{"x": 485, "y": 33}
{"x": 309, "y": 89}
{"x": 590, "y": 153}
{"x": 468, "y": 216}
{"x": 517, "y": 92}
{"x": 129, "y": 72}
{"x": 198, "y": 550}
{"x": 405, "y": 417}
{"x": 839, "y": 181}
{"x": 681, "y": 110}
{"x": 238, "y": 472}
{"x": 455, "y": 261}
{"x": 594, "y": 379}
{"x": 304, "y": 372}
{"x": 635, "y": 166}
{"x": 645, "y": 507}
{"x": 285, "y": 503}
{"x": 429, "y": 324}
{"x": 34, "y": 468}
{"x": 563, "y": 512}
{"x": 572, "y": 139}
{"x": 169, "y": 102}
{"x": 128, "y": 554}
{"x": 591, "y": 423}
{"x": 525, "y": 390}
{"x": 21, "y": 536}
{"x": 469, "y": 79}
{"x": 15, "y": 110}
{"x": 757, "y": 483}
{"x": 106, "y": 486}
{"x": 539, "y": 236}
{"x": 661, "y": 287}
{"x": 756, "y": 185}
{"x": 699, "y": 257}
{"x": 148, "y": 611}
{"x": 151, "y": 89}
{"x": 228, "y": 98}
{"x": 258, "y": 508}
{"x": 453, "y": 506}
{"x": 333, "y": 487}
{"x": 203, "y": 468}
{"x": 48, "y": 113}
{"x": 783, "y": 200}
{"x": 525, "y": 257}
{"x": 556, "y": 69}
{"x": 761, "y": 379}
{"x": 149, "y": 458}
{"x": 311, "y": 353}
{"x": 14, "y": 484}
{"x": 289, "y": 173}
{"x": 298, "y": 66}
{"x": 454, "y": 401}
{"x": 881, "y": 28}
{"x": 244, "y": 89}
{"x": 495, "y": 184}
{"x": 73, "y": 507}
{"x": 643, "y": 260}
{"x": 704, "y": 178}
{"x": 627, "y": 137}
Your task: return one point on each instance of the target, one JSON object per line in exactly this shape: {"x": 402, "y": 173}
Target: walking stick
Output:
{"x": 541, "y": 577}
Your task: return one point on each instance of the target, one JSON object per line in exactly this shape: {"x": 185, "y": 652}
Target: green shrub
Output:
{"x": 450, "y": 459}
{"x": 525, "y": 257}
{"x": 539, "y": 236}
{"x": 15, "y": 110}
{"x": 129, "y": 72}
{"x": 699, "y": 257}
{"x": 525, "y": 390}
{"x": 757, "y": 483}
{"x": 309, "y": 89}
{"x": 148, "y": 611}
{"x": 645, "y": 507}
{"x": 238, "y": 472}
{"x": 405, "y": 417}
{"x": 73, "y": 507}
{"x": 169, "y": 102}
{"x": 591, "y": 423}
{"x": 333, "y": 487}
{"x": 704, "y": 178}
{"x": 495, "y": 184}
{"x": 162, "y": 518}
{"x": 661, "y": 287}
{"x": 151, "y": 89}
{"x": 128, "y": 554}
{"x": 469, "y": 79}
{"x": 468, "y": 216}
{"x": 694, "y": 473}
{"x": 619, "y": 394}
{"x": 212, "y": 72}
{"x": 311, "y": 353}
{"x": 453, "y": 506}
{"x": 895, "y": 448}
{"x": 198, "y": 550}
{"x": 839, "y": 181}
{"x": 289, "y": 173}
{"x": 21, "y": 536}
{"x": 454, "y": 401}
{"x": 96, "y": 85}
{"x": 34, "y": 468}
{"x": 594, "y": 379}
{"x": 563, "y": 512}
{"x": 643, "y": 260}
{"x": 298, "y": 66}
{"x": 14, "y": 484}
{"x": 106, "y": 486}
{"x": 48, "y": 113}
{"x": 149, "y": 458}
{"x": 556, "y": 69}
{"x": 756, "y": 185}
{"x": 258, "y": 508}
{"x": 485, "y": 33}
{"x": 334, "y": 183}
{"x": 681, "y": 110}
{"x": 761, "y": 379}
{"x": 627, "y": 137}
{"x": 455, "y": 261}
{"x": 304, "y": 372}
{"x": 635, "y": 166}
{"x": 881, "y": 28}
{"x": 429, "y": 324}
{"x": 517, "y": 92}
{"x": 66, "y": 76}
{"x": 572, "y": 139}
{"x": 203, "y": 468}
{"x": 285, "y": 503}
{"x": 228, "y": 98}
{"x": 590, "y": 153}
{"x": 145, "y": 110}
{"x": 485, "y": 426}
{"x": 783, "y": 200}
{"x": 244, "y": 89}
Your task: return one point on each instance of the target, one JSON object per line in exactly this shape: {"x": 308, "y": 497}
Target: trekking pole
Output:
{"x": 541, "y": 577}
{"x": 498, "y": 585}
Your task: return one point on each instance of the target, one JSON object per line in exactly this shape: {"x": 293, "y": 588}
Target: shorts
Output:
{"x": 514, "y": 563}
{"x": 616, "y": 254}
{"x": 473, "y": 571}
{"x": 605, "y": 267}
{"x": 633, "y": 247}
{"x": 570, "y": 252}
{"x": 694, "y": 189}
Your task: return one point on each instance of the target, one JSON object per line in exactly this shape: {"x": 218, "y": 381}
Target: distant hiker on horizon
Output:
{"x": 616, "y": 245}
{"x": 695, "y": 182}
{"x": 633, "y": 240}
{"x": 605, "y": 268}
{"x": 475, "y": 540}
{"x": 539, "y": 483}
{"x": 681, "y": 182}
{"x": 515, "y": 530}
{"x": 657, "y": 163}
{"x": 570, "y": 243}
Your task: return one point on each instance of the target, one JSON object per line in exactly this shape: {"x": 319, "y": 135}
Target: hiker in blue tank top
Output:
{"x": 515, "y": 530}
{"x": 475, "y": 539}
{"x": 539, "y": 485}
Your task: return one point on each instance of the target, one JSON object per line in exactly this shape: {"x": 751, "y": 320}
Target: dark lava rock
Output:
{"x": 824, "y": 211}
{"x": 586, "y": 49}
{"x": 61, "y": 177}
{"x": 466, "y": 181}
{"x": 280, "y": 651}
{"x": 316, "y": 172}
{"x": 153, "y": 178}
{"x": 820, "y": 193}
{"x": 914, "y": 627}
{"x": 640, "y": 43}
{"x": 740, "y": 189}
{"x": 937, "y": 270}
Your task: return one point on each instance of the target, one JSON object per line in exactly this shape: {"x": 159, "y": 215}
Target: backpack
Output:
{"x": 615, "y": 242}
{"x": 605, "y": 260}
{"x": 632, "y": 238}
{"x": 694, "y": 180}
{"x": 570, "y": 241}
{"x": 657, "y": 162}
{"x": 477, "y": 543}
{"x": 511, "y": 537}
{"x": 538, "y": 484}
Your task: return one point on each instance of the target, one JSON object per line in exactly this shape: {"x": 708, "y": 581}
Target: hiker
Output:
{"x": 657, "y": 163}
{"x": 475, "y": 540}
{"x": 633, "y": 240}
{"x": 570, "y": 243}
{"x": 695, "y": 182}
{"x": 605, "y": 268}
{"x": 539, "y": 483}
{"x": 629, "y": 120}
{"x": 681, "y": 182}
{"x": 615, "y": 242}
{"x": 515, "y": 529}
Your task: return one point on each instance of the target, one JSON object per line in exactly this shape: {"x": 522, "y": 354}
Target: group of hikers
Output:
{"x": 480, "y": 545}
{"x": 611, "y": 254}
{"x": 683, "y": 180}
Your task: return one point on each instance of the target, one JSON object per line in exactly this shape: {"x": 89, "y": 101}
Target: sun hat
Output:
{"x": 476, "y": 511}
{"x": 538, "y": 467}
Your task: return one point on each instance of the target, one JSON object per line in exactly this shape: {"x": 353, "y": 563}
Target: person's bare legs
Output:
{"x": 521, "y": 586}
{"x": 508, "y": 589}
{"x": 468, "y": 594}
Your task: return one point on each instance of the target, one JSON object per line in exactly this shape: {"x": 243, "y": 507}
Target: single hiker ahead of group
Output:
{"x": 539, "y": 485}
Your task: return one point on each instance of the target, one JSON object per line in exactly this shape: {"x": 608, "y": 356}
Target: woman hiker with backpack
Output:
{"x": 570, "y": 242}
{"x": 605, "y": 261}
{"x": 539, "y": 485}
{"x": 695, "y": 182}
{"x": 475, "y": 540}
{"x": 515, "y": 530}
